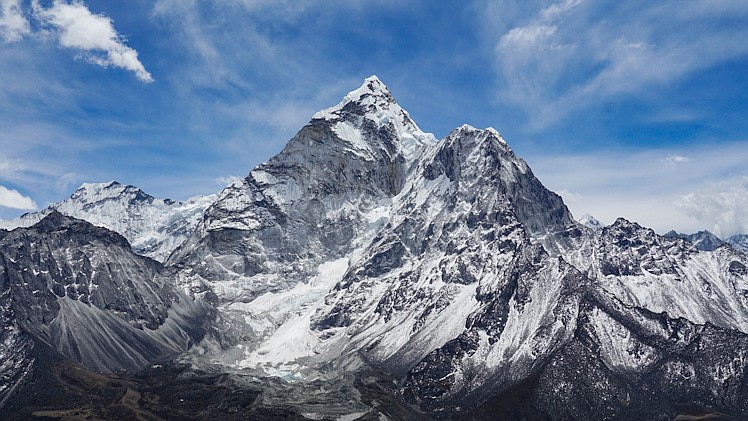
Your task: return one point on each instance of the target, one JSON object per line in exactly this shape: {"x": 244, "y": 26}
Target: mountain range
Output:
{"x": 154, "y": 227}
{"x": 368, "y": 271}
{"x": 705, "y": 240}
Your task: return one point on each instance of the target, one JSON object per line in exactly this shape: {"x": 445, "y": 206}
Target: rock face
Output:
{"x": 154, "y": 227}
{"x": 739, "y": 242}
{"x": 80, "y": 291}
{"x": 369, "y": 271}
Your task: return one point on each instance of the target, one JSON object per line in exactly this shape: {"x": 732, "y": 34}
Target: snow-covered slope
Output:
{"x": 455, "y": 237}
{"x": 667, "y": 275}
{"x": 154, "y": 227}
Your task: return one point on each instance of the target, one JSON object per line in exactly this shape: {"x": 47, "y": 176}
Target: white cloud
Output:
{"x": 10, "y": 198}
{"x": 526, "y": 36}
{"x": 557, "y": 9}
{"x": 13, "y": 24}
{"x": 94, "y": 34}
{"x": 10, "y": 167}
{"x": 722, "y": 206}
{"x": 228, "y": 179}
{"x": 672, "y": 160}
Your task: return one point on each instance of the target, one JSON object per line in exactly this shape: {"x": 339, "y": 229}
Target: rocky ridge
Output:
{"x": 75, "y": 290}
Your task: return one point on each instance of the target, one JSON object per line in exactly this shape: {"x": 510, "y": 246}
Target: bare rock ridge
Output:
{"x": 369, "y": 271}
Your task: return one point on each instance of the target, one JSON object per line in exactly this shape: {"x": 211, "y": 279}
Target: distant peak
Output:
{"x": 488, "y": 133}
{"x": 95, "y": 192}
{"x": 590, "y": 221}
{"x": 622, "y": 222}
{"x": 99, "y": 186}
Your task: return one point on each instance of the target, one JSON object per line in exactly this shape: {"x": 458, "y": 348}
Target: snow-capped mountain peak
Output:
{"x": 371, "y": 92}
{"x": 739, "y": 242}
{"x": 372, "y": 107}
{"x": 93, "y": 193}
{"x": 489, "y": 133}
{"x": 368, "y": 247}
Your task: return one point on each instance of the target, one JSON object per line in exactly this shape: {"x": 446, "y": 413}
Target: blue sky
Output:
{"x": 635, "y": 109}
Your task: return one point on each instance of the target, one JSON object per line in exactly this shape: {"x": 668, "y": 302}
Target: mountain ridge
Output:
{"x": 155, "y": 227}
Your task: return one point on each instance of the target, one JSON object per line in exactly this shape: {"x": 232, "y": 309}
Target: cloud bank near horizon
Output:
{"x": 686, "y": 189}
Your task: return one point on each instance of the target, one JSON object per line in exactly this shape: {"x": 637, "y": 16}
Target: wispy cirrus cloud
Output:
{"x": 92, "y": 34}
{"x": 576, "y": 54}
{"x": 13, "y": 24}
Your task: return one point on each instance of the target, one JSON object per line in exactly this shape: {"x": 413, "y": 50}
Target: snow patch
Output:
{"x": 286, "y": 319}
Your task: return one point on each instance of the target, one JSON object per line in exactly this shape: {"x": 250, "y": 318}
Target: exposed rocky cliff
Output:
{"x": 80, "y": 291}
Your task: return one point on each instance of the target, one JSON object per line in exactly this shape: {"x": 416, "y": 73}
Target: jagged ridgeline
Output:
{"x": 368, "y": 271}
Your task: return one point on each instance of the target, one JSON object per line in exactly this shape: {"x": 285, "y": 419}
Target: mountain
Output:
{"x": 154, "y": 227}
{"x": 370, "y": 271}
{"x": 589, "y": 221}
{"x": 703, "y": 240}
{"x": 366, "y": 245}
